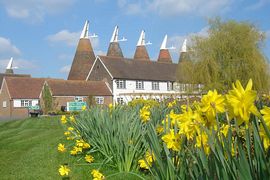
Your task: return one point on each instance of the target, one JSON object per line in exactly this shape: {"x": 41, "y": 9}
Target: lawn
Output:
{"x": 28, "y": 150}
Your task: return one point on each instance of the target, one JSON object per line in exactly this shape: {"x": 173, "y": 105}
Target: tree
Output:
{"x": 232, "y": 50}
{"x": 47, "y": 99}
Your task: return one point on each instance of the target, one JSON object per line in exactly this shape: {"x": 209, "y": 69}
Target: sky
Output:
{"x": 42, "y": 35}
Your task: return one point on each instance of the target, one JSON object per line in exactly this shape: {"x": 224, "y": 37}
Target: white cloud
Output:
{"x": 70, "y": 38}
{"x": 35, "y": 10}
{"x": 65, "y": 69}
{"x": 176, "y": 7}
{"x": 258, "y": 5}
{"x": 7, "y": 48}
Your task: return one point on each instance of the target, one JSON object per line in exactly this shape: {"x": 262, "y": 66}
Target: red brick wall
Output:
{"x": 4, "y": 96}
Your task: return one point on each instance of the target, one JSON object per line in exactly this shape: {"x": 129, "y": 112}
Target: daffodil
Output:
{"x": 97, "y": 175}
{"x": 171, "y": 104}
{"x": 202, "y": 141}
{"x": 72, "y": 119}
{"x": 241, "y": 102}
{"x": 83, "y": 108}
{"x": 172, "y": 140}
{"x": 61, "y": 147}
{"x": 63, "y": 119}
{"x": 266, "y": 115}
{"x": 224, "y": 129}
{"x": 70, "y": 128}
{"x": 145, "y": 114}
{"x": 189, "y": 122}
{"x": 67, "y": 133}
{"x": 147, "y": 162}
{"x": 63, "y": 170}
{"x": 212, "y": 103}
{"x": 88, "y": 158}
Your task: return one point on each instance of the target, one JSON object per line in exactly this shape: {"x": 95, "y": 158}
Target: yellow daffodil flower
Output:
{"x": 266, "y": 115}
{"x": 172, "y": 140}
{"x": 212, "y": 103}
{"x": 83, "y": 108}
{"x": 241, "y": 102}
{"x": 63, "y": 170}
{"x": 97, "y": 175}
{"x": 145, "y": 114}
{"x": 61, "y": 147}
{"x": 63, "y": 119}
{"x": 89, "y": 158}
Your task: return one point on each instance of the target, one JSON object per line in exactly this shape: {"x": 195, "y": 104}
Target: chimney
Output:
{"x": 164, "y": 54}
{"x": 141, "y": 52}
{"x": 114, "y": 47}
{"x": 84, "y": 56}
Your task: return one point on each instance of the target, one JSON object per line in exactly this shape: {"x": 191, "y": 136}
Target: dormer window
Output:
{"x": 139, "y": 85}
{"x": 120, "y": 84}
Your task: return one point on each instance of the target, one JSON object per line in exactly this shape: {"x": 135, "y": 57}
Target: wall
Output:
{"x": 99, "y": 73}
{"x": 62, "y": 100}
{"x": 179, "y": 91}
{"x": 4, "y": 96}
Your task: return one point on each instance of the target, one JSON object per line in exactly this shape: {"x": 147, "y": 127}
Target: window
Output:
{"x": 120, "y": 100}
{"x": 4, "y": 104}
{"x": 99, "y": 100}
{"x": 169, "y": 86}
{"x": 26, "y": 103}
{"x": 155, "y": 85}
{"x": 139, "y": 85}
{"x": 120, "y": 84}
{"x": 78, "y": 99}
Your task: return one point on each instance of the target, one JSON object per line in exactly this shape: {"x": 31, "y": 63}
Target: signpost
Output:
{"x": 75, "y": 106}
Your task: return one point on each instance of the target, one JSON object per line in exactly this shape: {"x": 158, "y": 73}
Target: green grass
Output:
{"x": 28, "y": 150}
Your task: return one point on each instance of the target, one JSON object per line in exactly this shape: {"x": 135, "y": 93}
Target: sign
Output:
{"x": 33, "y": 107}
{"x": 75, "y": 106}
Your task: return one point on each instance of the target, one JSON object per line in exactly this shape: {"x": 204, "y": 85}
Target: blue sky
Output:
{"x": 42, "y": 35}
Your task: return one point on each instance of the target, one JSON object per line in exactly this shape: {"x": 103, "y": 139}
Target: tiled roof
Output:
{"x": 83, "y": 60}
{"x": 78, "y": 88}
{"x": 114, "y": 50}
{"x": 123, "y": 68}
{"x": 141, "y": 54}
{"x": 24, "y": 87}
{"x": 164, "y": 56}
{"x": 2, "y": 75}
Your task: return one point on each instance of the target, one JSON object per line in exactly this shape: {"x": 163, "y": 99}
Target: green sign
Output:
{"x": 75, "y": 106}
{"x": 33, "y": 107}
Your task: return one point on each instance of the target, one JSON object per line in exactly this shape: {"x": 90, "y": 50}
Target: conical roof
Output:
{"x": 9, "y": 69}
{"x": 114, "y": 47}
{"x": 141, "y": 51}
{"x": 84, "y": 57}
{"x": 164, "y": 54}
{"x": 183, "y": 53}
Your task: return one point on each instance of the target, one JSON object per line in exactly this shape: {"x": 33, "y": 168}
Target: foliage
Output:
{"x": 222, "y": 136}
{"x": 232, "y": 50}
{"x": 47, "y": 99}
{"x": 117, "y": 133}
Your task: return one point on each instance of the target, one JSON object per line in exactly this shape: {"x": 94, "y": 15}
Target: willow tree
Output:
{"x": 232, "y": 50}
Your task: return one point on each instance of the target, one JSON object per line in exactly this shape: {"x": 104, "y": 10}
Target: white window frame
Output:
{"x": 169, "y": 86}
{"x": 99, "y": 99}
{"x": 155, "y": 85}
{"x": 4, "y": 104}
{"x": 140, "y": 85}
{"x": 120, "y": 100}
{"x": 26, "y": 103}
{"x": 120, "y": 84}
{"x": 78, "y": 99}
